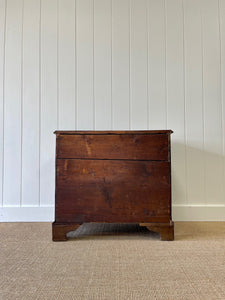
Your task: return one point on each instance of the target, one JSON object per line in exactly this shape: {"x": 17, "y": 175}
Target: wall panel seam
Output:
{"x": 147, "y": 56}
{"x": 111, "y": 64}
{"x": 203, "y": 107}
{"x": 130, "y": 108}
{"x": 166, "y": 82}
{"x": 75, "y": 67}
{"x": 40, "y": 58}
{"x": 221, "y": 89}
{"x": 3, "y": 93}
{"x": 93, "y": 64}
{"x": 21, "y": 95}
{"x": 192, "y": 104}
{"x": 57, "y": 67}
{"x": 185, "y": 104}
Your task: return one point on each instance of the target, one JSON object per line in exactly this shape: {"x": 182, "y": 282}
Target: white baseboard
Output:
{"x": 179, "y": 213}
{"x": 27, "y": 214}
{"x": 198, "y": 212}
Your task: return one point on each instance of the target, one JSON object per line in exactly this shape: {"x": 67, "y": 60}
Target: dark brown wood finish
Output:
{"x": 60, "y": 230}
{"x": 114, "y": 177}
{"x": 124, "y": 146}
{"x": 105, "y": 191}
{"x": 111, "y": 132}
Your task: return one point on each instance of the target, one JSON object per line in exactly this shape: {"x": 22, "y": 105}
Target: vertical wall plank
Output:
{"x": 221, "y": 9}
{"x": 138, "y": 65}
{"x": 66, "y": 64}
{"x": 212, "y": 103}
{"x": 2, "y": 62}
{"x": 156, "y": 65}
{"x": 48, "y": 100}
{"x": 30, "y": 99}
{"x": 12, "y": 128}
{"x": 102, "y": 64}
{"x": 194, "y": 102}
{"x": 84, "y": 81}
{"x": 175, "y": 96}
{"x": 120, "y": 65}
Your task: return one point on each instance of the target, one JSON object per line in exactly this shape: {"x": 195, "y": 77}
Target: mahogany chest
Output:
{"x": 114, "y": 177}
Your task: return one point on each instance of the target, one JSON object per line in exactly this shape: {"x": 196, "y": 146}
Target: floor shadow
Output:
{"x": 112, "y": 231}
{"x": 197, "y": 174}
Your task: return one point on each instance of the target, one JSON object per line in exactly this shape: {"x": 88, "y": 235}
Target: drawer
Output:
{"x": 114, "y": 146}
{"x": 112, "y": 191}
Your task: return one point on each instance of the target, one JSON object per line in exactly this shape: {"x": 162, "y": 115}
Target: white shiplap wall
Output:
{"x": 112, "y": 64}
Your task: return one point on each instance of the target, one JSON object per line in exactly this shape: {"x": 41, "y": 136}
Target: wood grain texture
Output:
{"x": 112, "y": 132}
{"x": 114, "y": 178}
{"x": 166, "y": 230}
{"x": 125, "y": 146}
{"x": 112, "y": 191}
{"x": 59, "y": 231}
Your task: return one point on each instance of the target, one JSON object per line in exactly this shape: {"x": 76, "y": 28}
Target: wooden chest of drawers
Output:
{"x": 114, "y": 177}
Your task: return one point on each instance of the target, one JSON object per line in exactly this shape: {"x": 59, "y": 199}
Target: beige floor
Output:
{"x": 118, "y": 262}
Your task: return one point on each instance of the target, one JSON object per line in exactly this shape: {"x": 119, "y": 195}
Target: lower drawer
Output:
{"x": 112, "y": 191}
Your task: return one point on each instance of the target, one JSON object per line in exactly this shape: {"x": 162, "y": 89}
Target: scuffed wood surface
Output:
{"x": 112, "y": 191}
{"x": 127, "y": 146}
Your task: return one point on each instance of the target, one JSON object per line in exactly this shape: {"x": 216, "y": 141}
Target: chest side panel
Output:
{"x": 112, "y": 191}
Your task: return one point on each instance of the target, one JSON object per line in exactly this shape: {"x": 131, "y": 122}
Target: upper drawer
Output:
{"x": 124, "y": 146}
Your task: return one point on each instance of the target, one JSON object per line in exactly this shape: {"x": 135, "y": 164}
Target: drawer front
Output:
{"x": 112, "y": 191}
{"x": 126, "y": 146}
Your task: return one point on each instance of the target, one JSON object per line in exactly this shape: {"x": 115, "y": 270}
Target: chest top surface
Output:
{"x": 111, "y": 132}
